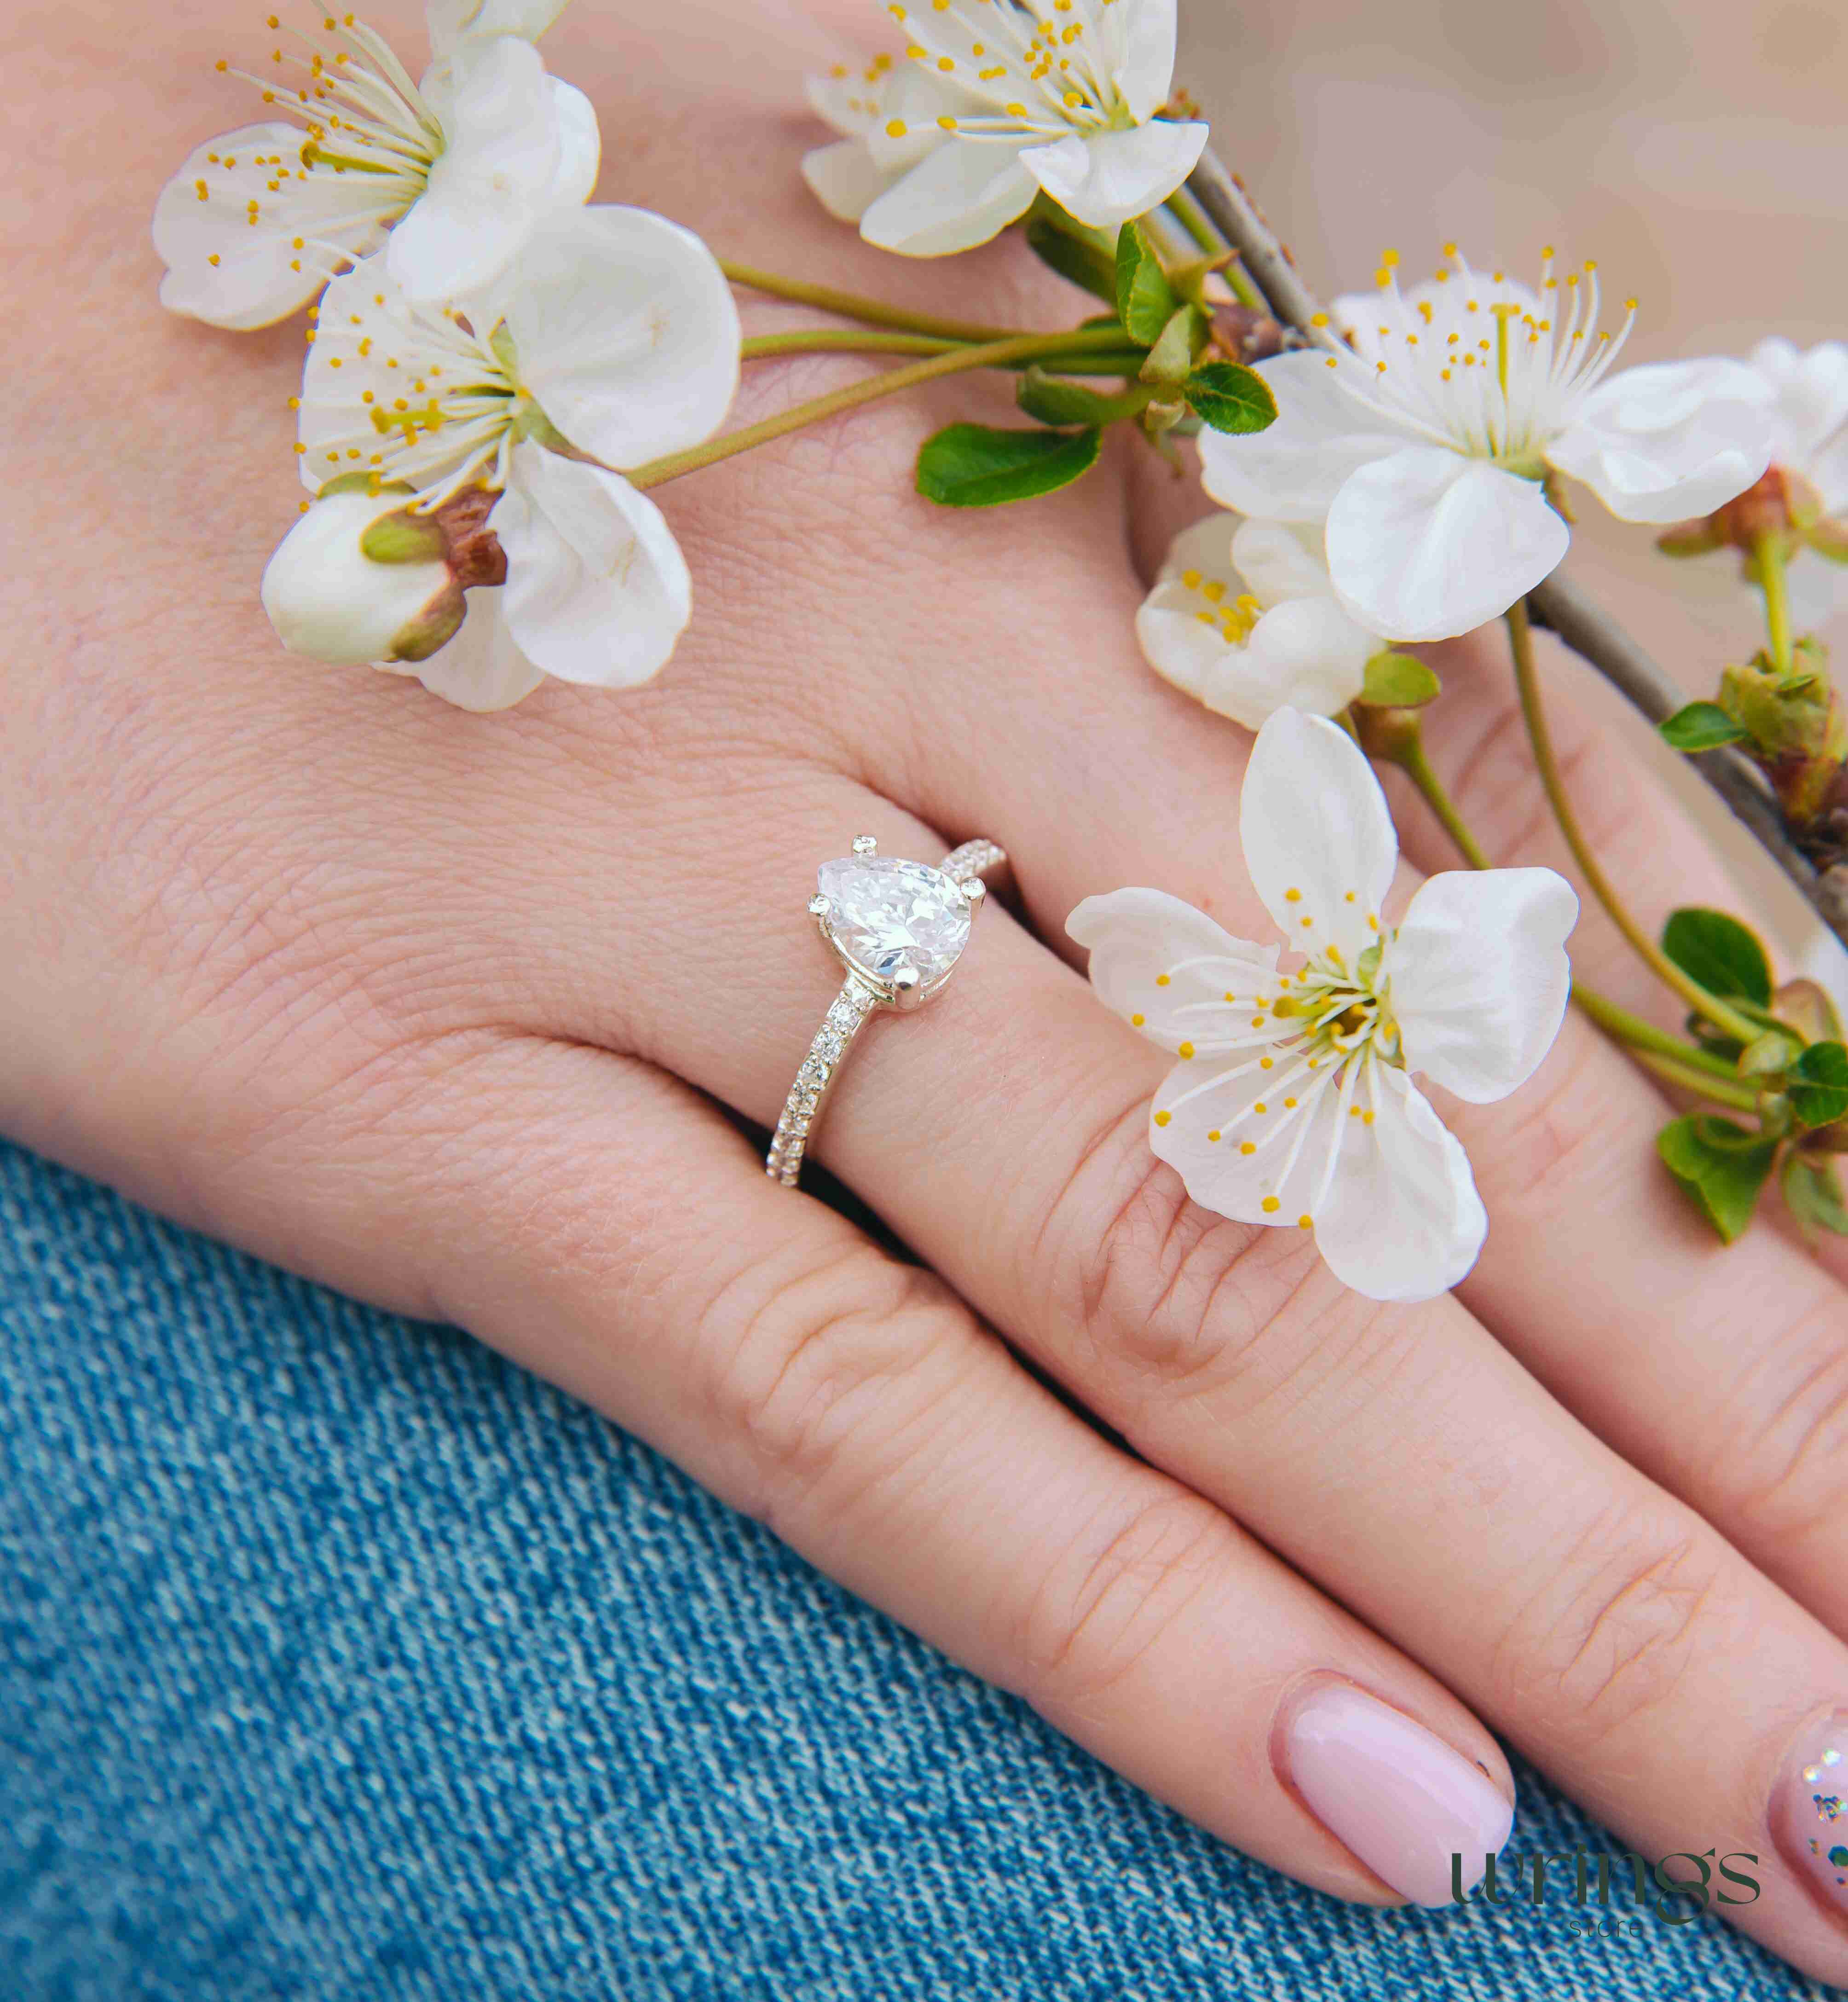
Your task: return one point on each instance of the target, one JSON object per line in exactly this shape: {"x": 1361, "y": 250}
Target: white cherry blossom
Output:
{"x": 457, "y": 168}
{"x": 1291, "y": 1102}
{"x": 611, "y": 338}
{"x": 994, "y": 103}
{"x": 1425, "y": 438}
{"x": 1244, "y": 619}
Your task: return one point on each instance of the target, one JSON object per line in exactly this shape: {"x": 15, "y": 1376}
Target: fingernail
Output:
{"x": 1396, "y": 1793}
{"x": 1809, "y": 1808}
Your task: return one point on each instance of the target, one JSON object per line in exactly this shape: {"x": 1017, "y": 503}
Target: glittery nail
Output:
{"x": 1809, "y": 1808}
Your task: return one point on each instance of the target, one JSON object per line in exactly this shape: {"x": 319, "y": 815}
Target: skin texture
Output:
{"x": 436, "y": 1008}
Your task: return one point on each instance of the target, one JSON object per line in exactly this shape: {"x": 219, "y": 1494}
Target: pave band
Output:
{"x": 898, "y": 928}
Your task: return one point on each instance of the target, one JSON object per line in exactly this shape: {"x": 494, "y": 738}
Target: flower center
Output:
{"x": 362, "y": 113}
{"x": 1476, "y": 362}
{"x": 1038, "y": 67}
{"x": 1343, "y": 1011}
{"x": 405, "y": 392}
{"x": 1231, "y": 618}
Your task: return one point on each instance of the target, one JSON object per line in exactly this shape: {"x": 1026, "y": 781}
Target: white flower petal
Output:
{"x": 493, "y": 178}
{"x": 448, "y": 21}
{"x": 1306, "y": 654}
{"x": 482, "y": 667}
{"x": 597, "y": 590}
{"x": 1292, "y": 471}
{"x": 848, "y": 100}
{"x": 962, "y": 194}
{"x": 226, "y": 270}
{"x": 1281, "y": 560}
{"x": 580, "y": 147}
{"x": 1318, "y": 840}
{"x": 626, "y": 331}
{"x": 1249, "y": 1132}
{"x": 1140, "y": 37}
{"x": 1402, "y": 1220}
{"x": 1106, "y": 179}
{"x": 1168, "y": 970}
{"x": 907, "y": 128}
{"x": 844, "y": 180}
{"x": 1427, "y": 543}
{"x": 1480, "y": 979}
{"x": 1670, "y": 440}
{"x": 1810, "y": 402}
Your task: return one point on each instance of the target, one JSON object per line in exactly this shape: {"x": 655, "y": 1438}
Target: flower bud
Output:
{"x": 330, "y": 595}
{"x": 1798, "y": 728}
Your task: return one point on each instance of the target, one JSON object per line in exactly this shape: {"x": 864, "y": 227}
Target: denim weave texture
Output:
{"x": 339, "y": 1659}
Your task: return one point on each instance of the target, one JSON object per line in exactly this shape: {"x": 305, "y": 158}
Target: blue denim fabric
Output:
{"x": 340, "y": 1660}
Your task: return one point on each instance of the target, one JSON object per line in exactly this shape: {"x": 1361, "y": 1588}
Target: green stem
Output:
{"x": 852, "y": 305}
{"x": 1193, "y": 218}
{"x": 1716, "y": 1011}
{"x": 1641, "y": 1035}
{"x": 1688, "y": 1078}
{"x": 844, "y": 340}
{"x": 891, "y": 382}
{"x": 855, "y": 340}
{"x": 1412, "y": 761}
{"x": 1769, "y": 551}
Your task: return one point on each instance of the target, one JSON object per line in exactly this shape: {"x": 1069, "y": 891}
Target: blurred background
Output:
{"x": 1696, "y": 148}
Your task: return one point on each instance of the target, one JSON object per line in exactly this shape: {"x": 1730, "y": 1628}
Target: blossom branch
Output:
{"x": 1589, "y": 631}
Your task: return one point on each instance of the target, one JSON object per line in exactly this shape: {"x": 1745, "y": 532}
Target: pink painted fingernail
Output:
{"x": 1396, "y": 1793}
{"x": 1809, "y": 1808}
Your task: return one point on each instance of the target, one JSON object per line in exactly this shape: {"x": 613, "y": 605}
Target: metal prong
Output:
{"x": 865, "y": 844}
{"x": 907, "y": 984}
{"x": 819, "y": 906}
{"x": 975, "y": 890}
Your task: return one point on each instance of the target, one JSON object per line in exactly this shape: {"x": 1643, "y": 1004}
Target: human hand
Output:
{"x": 441, "y": 1009}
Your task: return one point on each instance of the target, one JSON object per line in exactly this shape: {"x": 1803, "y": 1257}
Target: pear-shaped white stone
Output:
{"x": 883, "y": 911}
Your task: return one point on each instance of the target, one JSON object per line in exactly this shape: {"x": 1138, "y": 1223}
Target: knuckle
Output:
{"x": 1609, "y": 1641}
{"x": 1172, "y": 1303}
{"x": 813, "y": 1356}
{"x": 1787, "y": 1479}
{"x": 1105, "y": 1605}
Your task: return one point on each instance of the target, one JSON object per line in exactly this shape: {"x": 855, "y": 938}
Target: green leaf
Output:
{"x": 1722, "y": 1166}
{"x": 1399, "y": 681}
{"x": 1076, "y": 258}
{"x": 1720, "y": 953}
{"x": 969, "y": 465}
{"x": 1769, "y": 1055}
{"x": 1700, "y": 726}
{"x": 1817, "y": 1085}
{"x": 1171, "y": 359}
{"x": 1813, "y": 1193}
{"x": 1146, "y": 301}
{"x": 1054, "y": 401}
{"x": 1231, "y": 398}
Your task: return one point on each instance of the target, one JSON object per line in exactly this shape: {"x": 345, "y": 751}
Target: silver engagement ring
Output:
{"x": 898, "y": 928}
